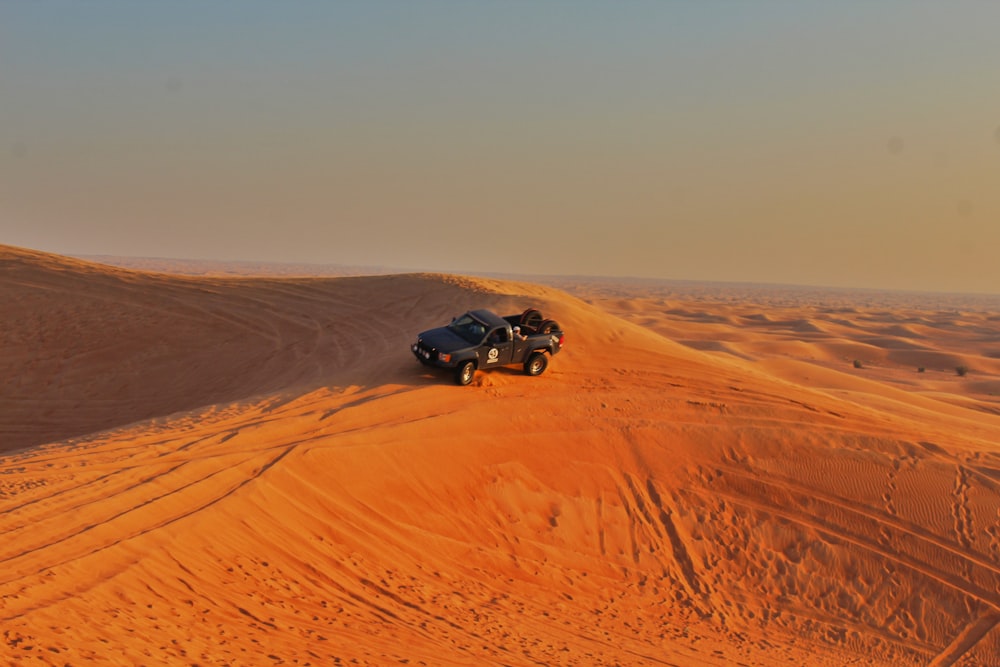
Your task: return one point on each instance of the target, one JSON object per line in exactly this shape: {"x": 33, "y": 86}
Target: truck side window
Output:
{"x": 498, "y": 336}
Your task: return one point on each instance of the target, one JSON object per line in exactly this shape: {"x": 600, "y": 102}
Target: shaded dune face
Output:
{"x": 282, "y": 483}
{"x": 85, "y": 347}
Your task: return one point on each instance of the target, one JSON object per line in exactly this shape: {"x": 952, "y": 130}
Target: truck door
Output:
{"x": 496, "y": 350}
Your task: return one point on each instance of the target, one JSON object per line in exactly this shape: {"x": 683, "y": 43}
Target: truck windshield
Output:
{"x": 468, "y": 328}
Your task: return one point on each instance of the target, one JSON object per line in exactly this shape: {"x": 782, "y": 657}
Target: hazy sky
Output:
{"x": 834, "y": 143}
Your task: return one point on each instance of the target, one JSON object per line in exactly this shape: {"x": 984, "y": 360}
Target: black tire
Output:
{"x": 548, "y": 326}
{"x": 531, "y": 318}
{"x": 465, "y": 372}
{"x": 536, "y": 364}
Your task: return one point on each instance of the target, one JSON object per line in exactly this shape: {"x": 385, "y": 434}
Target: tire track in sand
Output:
{"x": 965, "y": 640}
{"x": 226, "y": 491}
{"x": 960, "y": 508}
{"x": 814, "y": 510}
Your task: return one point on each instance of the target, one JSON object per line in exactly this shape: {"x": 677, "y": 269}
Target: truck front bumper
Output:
{"x": 429, "y": 357}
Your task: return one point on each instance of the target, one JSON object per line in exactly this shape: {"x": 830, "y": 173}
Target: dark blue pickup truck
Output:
{"x": 480, "y": 339}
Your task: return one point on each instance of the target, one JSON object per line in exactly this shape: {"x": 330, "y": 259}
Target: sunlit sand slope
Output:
{"x": 640, "y": 503}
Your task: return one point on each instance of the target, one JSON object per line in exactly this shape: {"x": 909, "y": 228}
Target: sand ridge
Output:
{"x": 311, "y": 495}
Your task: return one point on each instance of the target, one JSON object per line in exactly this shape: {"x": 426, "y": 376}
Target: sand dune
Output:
{"x": 255, "y": 471}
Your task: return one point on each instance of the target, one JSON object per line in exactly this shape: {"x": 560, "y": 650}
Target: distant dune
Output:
{"x": 236, "y": 470}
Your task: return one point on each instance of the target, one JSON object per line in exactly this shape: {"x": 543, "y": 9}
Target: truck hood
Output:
{"x": 443, "y": 340}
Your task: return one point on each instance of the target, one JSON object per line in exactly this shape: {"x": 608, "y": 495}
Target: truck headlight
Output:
{"x": 444, "y": 357}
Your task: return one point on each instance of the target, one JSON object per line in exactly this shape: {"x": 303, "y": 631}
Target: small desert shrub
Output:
{"x": 858, "y": 364}
{"x": 961, "y": 370}
{"x": 921, "y": 369}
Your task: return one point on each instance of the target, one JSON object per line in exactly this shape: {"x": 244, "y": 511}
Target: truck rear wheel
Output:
{"x": 536, "y": 364}
{"x": 465, "y": 372}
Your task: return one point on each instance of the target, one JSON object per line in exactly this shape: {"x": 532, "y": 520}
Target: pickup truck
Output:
{"x": 480, "y": 339}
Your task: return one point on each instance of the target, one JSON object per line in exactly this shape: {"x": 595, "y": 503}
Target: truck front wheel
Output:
{"x": 536, "y": 364}
{"x": 465, "y": 372}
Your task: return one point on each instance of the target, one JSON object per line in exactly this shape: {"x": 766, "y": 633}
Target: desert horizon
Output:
{"x": 818, "y": 294}
{"x": 236, "y": 469}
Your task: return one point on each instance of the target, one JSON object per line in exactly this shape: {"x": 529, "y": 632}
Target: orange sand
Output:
{"x": 242, "y": 471}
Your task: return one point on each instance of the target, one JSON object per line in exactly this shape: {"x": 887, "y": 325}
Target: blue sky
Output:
{"x": 847, "y": 143}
